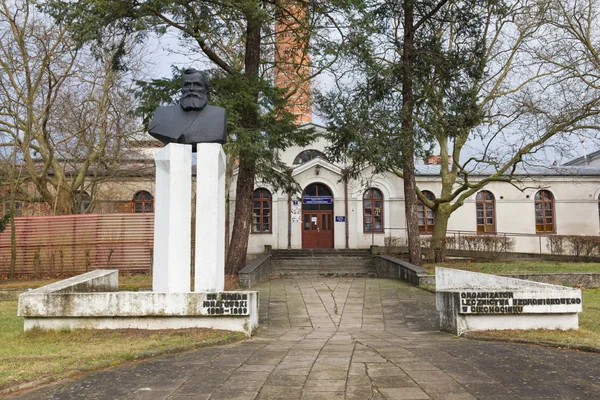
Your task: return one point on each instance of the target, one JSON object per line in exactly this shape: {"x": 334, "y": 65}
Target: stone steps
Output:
{"x": 321, "y": 262}
{"x": 318, "y": 253}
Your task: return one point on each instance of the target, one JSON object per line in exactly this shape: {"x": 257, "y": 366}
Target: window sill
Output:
{"x": 261, "y": 233}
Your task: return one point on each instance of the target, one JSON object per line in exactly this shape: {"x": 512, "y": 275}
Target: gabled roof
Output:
{"x": 582, "y": 159}
{"x": 522, "y": 170}
{"x": 313, "y": 163}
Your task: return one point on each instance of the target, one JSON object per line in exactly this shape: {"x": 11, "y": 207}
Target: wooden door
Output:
{"x": 317, "y": 229}
{"x": 317, "y": 217}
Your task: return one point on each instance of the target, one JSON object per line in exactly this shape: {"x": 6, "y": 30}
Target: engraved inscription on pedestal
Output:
{"x": 226, "y": 304}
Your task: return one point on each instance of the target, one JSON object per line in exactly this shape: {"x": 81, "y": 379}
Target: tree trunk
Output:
{"x": 228, "y": 181}
{"x": 13, "y": 228}
{"x": 438, "y": 240}
{"x": 63, "y": 203}
{"x": 236, "y": 257}
{"x": 408, "y": 167}
{"x": 13, "y": 246}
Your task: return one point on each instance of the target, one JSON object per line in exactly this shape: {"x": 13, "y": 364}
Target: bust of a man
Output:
{"x": 193, "y": 121}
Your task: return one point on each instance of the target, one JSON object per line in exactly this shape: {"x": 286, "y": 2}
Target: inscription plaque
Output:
{"x": 226, "y": 304}
{"x": 516, "y": 303}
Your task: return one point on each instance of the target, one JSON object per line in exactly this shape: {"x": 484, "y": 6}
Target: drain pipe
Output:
{"x": 289, "y": 244}
{"x": 289, "y": 230}
{"x": 345, "y": 172}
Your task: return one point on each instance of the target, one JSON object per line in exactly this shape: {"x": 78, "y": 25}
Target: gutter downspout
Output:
{"x": 345, "y": 172}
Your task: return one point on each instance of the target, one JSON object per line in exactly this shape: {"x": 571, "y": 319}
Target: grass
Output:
{"x": 126, "y": 282}
{"x": 587, "y": 335}
{"x": 132, "y": 282}
{"x": 517, "y": 267}
{"x": 50, "y": 355}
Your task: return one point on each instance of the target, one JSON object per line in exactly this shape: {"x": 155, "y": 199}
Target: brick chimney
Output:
{"x": 292, "y": 59}
{"x": 435, "y": 160}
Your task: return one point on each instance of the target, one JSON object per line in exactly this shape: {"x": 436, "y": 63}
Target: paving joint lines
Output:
{"x": 382, "y": 344}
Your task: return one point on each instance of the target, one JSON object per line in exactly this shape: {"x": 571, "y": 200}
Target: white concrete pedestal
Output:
{"x": 172, "y": 219}
{"x": 93, "y": 301}
{"x": 210, "y": 218}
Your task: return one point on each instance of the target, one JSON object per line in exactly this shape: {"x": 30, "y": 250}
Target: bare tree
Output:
{"x": 536, "y": 90}
{"x": 491, "y": 91}
{"x": 61, "y": 106}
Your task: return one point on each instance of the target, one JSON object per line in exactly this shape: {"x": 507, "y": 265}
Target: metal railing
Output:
{"x": 543, "y": 243}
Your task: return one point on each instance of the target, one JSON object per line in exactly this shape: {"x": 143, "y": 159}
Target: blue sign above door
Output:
{"x": 316, "y": 200}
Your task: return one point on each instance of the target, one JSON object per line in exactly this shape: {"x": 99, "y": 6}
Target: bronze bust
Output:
{"x": 193, "y": 121}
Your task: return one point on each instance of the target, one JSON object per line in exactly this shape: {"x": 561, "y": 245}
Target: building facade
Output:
{"x": 333, "y": 213}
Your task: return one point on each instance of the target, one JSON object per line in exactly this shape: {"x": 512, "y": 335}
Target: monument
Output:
{"x": 191, "y": 126}
{"x": 193, "y": 121}
{"x": 472, "y": 301}
{"x": 92, "y": 300}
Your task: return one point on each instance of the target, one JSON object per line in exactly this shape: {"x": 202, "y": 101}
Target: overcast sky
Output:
{"x": 166, "y": 51}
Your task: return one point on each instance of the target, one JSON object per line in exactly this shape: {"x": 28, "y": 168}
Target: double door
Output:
{"x": 317, "y": 229}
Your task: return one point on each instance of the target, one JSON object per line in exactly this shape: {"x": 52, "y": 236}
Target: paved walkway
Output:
{"x": 345, "y": 338}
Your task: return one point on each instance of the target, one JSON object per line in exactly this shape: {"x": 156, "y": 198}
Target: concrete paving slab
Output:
{"x": 346, "y": 338}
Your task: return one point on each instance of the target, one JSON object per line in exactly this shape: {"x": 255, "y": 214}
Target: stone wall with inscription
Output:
{"x": 63, "y": 305}
{"x": 470, "y": 301}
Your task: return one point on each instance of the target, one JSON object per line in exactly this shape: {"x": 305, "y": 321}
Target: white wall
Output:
{"x": 576, "y": 206}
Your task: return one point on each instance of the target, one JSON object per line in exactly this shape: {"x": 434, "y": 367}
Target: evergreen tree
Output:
{"x": 237, "y": 37}
{"x": 481, "y": 71}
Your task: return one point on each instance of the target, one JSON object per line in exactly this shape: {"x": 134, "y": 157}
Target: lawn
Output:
{"x": 126, "y": 282}
{"x": 517, "y": 267}
{"x": 50, "y": 355}
{"x": 587, "y": 335}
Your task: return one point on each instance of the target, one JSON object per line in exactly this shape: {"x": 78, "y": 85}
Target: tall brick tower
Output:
{"x": 292, "y": 68}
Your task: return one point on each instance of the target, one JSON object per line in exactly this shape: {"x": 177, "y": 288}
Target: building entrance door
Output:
{"x": 317, "y": 217}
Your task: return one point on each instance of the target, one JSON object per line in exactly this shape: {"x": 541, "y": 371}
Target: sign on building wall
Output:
{"x": 316, "y": 200}
{"x": 296, "y": 214}
{"x": 340, "y": 218}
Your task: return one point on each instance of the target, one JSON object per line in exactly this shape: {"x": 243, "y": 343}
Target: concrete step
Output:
{"x": 322, "y": 262}
{"x": 319, "y": 253}
{"x": 282, "y": 274}
{"x": 341, "y": 269}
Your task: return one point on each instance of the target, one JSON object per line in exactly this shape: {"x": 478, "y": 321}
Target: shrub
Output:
{"x": 492, "y": 244}
{"x": 556, "y": 244}
{"x": 393, "y": 241}
{"x": 580, "y": 246}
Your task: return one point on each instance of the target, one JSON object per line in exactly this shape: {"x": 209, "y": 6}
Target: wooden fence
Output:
{"x": 73, "y": 244}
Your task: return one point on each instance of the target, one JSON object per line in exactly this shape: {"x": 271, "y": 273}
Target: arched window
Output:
{"x": 486, "y": 216}
{"x": 308, "y": 155}
{"x": 18, "y": 211}
{"x": 373, "y": 210}
{"x": 261, "y": 211}
{"x": 426, "y": 214}
{"x": 544, "y": 212}
{"x": 143, "y": 202}
{"x": 82, "y": 201}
